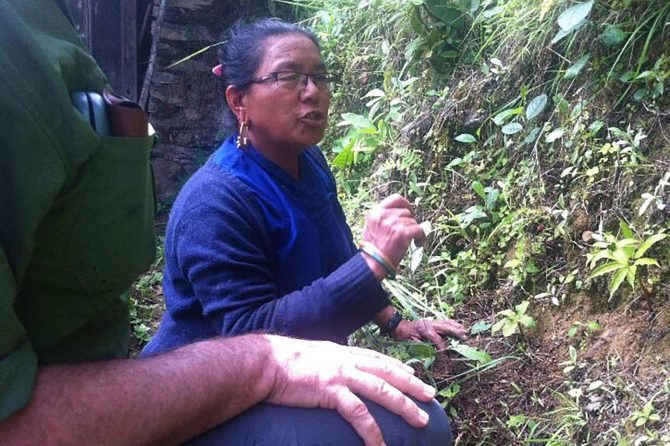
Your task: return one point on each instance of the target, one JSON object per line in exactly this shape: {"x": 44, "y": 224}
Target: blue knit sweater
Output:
{"x": 248, "y": 249}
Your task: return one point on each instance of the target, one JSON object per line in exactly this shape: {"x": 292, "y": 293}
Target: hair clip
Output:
{"x": 217, "y": 70}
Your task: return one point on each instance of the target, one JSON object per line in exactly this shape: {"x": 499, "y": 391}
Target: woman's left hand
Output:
{"x": 429, "y": 330}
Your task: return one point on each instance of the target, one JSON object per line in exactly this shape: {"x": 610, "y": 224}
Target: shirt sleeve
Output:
{"x": 228, "y": 264}
{"x": 33, "y": 166}
{"x": 18, "y": 362}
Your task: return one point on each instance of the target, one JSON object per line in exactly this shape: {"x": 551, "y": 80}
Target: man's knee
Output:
{"x": 397, "y": 432}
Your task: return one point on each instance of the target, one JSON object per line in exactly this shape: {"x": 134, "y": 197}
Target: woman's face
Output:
{"x": 282, "y": 118}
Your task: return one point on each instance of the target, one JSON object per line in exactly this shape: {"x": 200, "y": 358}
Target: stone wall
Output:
{"x": 185, "y": 101}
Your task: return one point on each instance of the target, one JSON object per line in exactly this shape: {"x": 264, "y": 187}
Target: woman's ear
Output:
{"x": 235, "y": 99}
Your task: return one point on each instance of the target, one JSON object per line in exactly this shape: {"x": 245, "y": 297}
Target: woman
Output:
{"x": 257, "y": 240}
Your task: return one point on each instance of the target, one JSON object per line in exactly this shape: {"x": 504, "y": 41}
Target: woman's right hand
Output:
{"x": 390, "y": 226}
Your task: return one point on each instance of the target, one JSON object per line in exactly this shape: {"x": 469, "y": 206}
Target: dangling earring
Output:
{"x": 242, "y": 139}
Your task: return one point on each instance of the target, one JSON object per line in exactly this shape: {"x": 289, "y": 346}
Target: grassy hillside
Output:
{"x": 533, "y": 138}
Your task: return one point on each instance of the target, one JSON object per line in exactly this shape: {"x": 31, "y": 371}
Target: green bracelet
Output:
{"x": 369, "y": 249}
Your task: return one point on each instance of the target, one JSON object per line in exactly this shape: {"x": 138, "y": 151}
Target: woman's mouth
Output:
{"x": 314, "y": 119}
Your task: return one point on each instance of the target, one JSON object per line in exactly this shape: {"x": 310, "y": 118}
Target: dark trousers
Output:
{"x": 271, "y": 425}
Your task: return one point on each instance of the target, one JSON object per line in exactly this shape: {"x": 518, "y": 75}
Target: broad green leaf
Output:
{"x": 532, "y": 136}
{"x": 535, "y": 106}
{"x": 613, "y": 35}
{"x": 509, "y": 329}
{"x": 623, "y": 243}
{"x": 507, "y": 313}
{"x": 577, "y": 67}
{"x": 415, "y": 261}
{"x": 593, "y": 326}
{"x": 527, "y": 321}
{"x": 630, "y": 275}
{"x": 531, "y": 267}
{"x": 605, "y": 269}
{"x": 604, "y": 254}
{"x": 421, "y": 350}
{"x": 562, "y": 33}
{"x": 446, "y": 13}
{"x": 628, "y": 76}
{"x": 646, "y": 261}
{"x": 621, "y": 255}
{"x": 616, "y": 280}
{"x": 555, "y": 134}
{"x": 574, "y": 15}
{"x": 512, "y": 263}
{"x": 522, "y": 307}
{"x": 480, "y": 327}
{"x": 626, "y": 230}
{"x": 643, "y": 75}
{"x": 512, "y": 128}
{"x": 640, "y": 94}
{"x": 593, "y": 171}
{"x": 492, "y": 195}
{"x": 466, "y": 138}
{"x": 648, "y": 244}
{"x": 596, "y": 126}
{"x": 501, "y": 117}
{"x": 478, "y": 187}
{"x": 497, "y": 326}
{"x": 572, "y": 351}
{"x": 346, "y": 156}
{"x": 472, "y": 353}
{"x": 491, "y": 12}
{"x": 471, "y": 214}
{"x": 358, "y": 121}
{"x": 375, "y": 93}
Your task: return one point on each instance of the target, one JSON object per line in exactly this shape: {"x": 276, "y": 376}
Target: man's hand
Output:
{"x": 323, "y": 374}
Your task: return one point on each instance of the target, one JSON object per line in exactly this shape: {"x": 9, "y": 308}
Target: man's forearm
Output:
{"x": 160, "y": 400}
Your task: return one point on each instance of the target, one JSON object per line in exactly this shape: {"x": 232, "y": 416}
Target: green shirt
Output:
{"x": 76, "y": 209}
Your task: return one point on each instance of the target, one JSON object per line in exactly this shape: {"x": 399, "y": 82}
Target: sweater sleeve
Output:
{"x": 228, "y": 264}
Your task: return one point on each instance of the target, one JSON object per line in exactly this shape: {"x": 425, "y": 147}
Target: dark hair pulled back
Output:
{"x": 243, "y": 52}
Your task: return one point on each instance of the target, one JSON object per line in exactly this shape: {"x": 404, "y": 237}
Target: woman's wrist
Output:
{"x": 375, "y": 255}
{"x": 377, "y": 270}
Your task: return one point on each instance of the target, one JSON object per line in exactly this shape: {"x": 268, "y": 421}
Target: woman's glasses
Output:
{"x": 294, "y": 80}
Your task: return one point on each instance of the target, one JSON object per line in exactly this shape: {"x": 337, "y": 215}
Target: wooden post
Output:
{"x": 109, "y": 28}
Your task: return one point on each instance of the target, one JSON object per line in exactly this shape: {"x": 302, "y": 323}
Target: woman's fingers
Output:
{"x": 431, "y": 331}
{"x": 395, "y": 201}
{"x": 391, "y": 227}
{"x": 451, "y": 328}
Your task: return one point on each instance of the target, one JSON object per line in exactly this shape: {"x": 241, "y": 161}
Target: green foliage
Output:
{"x": 623, "y": 256}
{"x": 503, "y": 122}
{"x": 514, "y": 321}
{"x": 645, "y": 416}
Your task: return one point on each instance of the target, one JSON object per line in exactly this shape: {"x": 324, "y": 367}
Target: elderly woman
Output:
{"x": 257, "y": 240}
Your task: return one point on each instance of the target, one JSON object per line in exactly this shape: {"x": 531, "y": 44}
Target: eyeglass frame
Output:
{"x": 273, "y": 76}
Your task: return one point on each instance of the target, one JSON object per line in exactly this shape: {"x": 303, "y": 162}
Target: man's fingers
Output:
{"x": 353, "y": 410}
{"x": 400, "y": 379}
{"x": 382, "y": 392}
{"x": 379, "y": 359}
